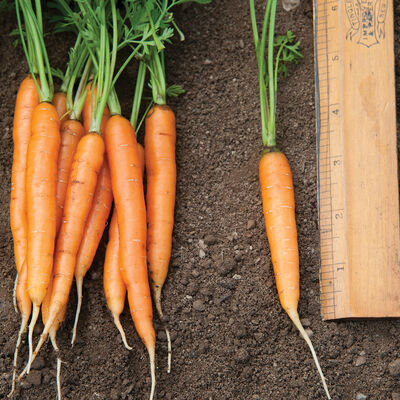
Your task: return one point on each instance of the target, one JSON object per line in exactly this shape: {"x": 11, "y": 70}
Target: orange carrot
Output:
{"x": 41, "y": 175}
{"x": 159, "y": 150}
{"x": 60, "y": 103}
{"x": 127, "y": 185}
{"x": 92, "y": 234}
{"x": 87, "y": 109}
{"x": 114, "y": 286}
{"x": 27, "y": 100}
{"x": 278, "y": 206}
{"x": 24, "y": 306}
{"x": 71, "y": 133}
{"x": 82, "y": 184}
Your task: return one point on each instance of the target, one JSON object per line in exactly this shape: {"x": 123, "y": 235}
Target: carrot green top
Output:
{"x": 34, "y": 47}
{"x": 269, "y": 66}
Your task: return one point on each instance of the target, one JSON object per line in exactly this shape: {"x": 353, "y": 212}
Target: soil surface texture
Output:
{"x": 231, "y": 338}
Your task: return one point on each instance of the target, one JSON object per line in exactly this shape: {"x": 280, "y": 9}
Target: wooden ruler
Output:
{"x": 357, "y": 159}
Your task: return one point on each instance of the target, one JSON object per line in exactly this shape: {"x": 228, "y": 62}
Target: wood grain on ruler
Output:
{"x": 358, "y": 182}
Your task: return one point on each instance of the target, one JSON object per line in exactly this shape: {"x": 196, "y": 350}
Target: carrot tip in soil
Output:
{"x": 157, "y": 300}
{"x": 79, "y": 284}
{"x": 35, "y": 314}
{"x": 117, "y": 323}
{"x": 24, "y": 324}
{"x": 294, "y": 316}
{"x": 152, "y": 371}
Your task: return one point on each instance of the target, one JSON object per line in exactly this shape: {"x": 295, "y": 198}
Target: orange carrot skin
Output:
{"x": 23, "y": 299}
{"x": 96, "y": 222}
{"x": 60, "y": 103}
{"x": 41, "y": 176}
{"x": 87, "y": 110}
{"x": 27, "y": 100}
{"x": 71, "y": 132}
{"x": 159, "y": 147}
{"x": 127, "y": 185}
{"x": 114, "y": 287}
{"x": 279, "y": 212}
{"x": 86, "y": 166}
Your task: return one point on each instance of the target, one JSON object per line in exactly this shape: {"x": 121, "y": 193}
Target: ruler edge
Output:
{"x": 318, "y": 128}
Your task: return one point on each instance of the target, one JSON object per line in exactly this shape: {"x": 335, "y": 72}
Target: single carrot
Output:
{"x": 278, "y": 206}
{"x": 24, "y": 306}
{"x": 71, "y": 132}
{"x": 94, "y": 228}
{"x": 88, "y": 107}
{"x": 127, "y": 185}
{"x": 41, "y": 175}
{"x": 114, "y": 286}
{"x": 274, "y": 170}
{"x": 82, "y": 183}
{"x": 27, "y": 100}
{"x": 159, "y": 150}
{"x": 60, "y": 103}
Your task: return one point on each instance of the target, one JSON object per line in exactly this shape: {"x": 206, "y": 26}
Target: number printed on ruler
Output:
{"x": 331, "y": 172}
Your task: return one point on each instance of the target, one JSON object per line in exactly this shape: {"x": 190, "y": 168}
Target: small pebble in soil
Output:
{"x": 305, "y": 322}
{"x": 202, "y": 253}
{"x": 195, "y": 273}
{"x": 241, "y": 43}
{"x": 360, "y": 360}
{"x": 242, "y": 355}
{"x": 237, "y": 276}
{"x": 210, "y": 240}
{"x": 394, "y": 367}
{"x": 34, "y": 378}
{"x": 361, "y": 396}
{"x": 198, "y": 305}
{"x": 310, "y": 333}
{"x": 207, "y": 61}
{"x": 251, "y": 224}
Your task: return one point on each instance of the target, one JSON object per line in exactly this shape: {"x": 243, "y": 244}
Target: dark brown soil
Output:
{"x": 241, "y": 345}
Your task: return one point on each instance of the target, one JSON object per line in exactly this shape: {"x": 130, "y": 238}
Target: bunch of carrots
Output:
{"x": 74, "y": 154}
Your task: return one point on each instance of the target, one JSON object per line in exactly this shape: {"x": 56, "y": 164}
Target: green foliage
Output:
{"x": 175, "y": 90}
{"x": 288, "y": 51}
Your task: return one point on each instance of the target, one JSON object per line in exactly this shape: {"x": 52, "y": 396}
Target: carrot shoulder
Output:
{"x": 60, "y": 103}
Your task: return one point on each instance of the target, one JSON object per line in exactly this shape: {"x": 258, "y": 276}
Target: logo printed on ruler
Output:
{"x": 367, "y": 20}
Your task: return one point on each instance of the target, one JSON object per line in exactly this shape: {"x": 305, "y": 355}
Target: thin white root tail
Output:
{"x": 35, "y": 314}
{"x": 22, "y": 329}
{"x": 294, "y": 316}
{"x": 15, "y": 294}
{"x": 152, "y": 357}
{"x": 52, "y": 335}
{"x": 117, "y": 323}
{"x": 79, "y": 284}
{"x": 157, "y": 301}
{"x": 42, "y": 339}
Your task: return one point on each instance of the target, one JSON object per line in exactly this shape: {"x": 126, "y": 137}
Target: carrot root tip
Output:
{"x": 117, "y": 323}
{"x": 294, "y": 316}
{"x": 35, "y": 314}
{"x": 152, "y": 357}
{"x": 79, "y": 284}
